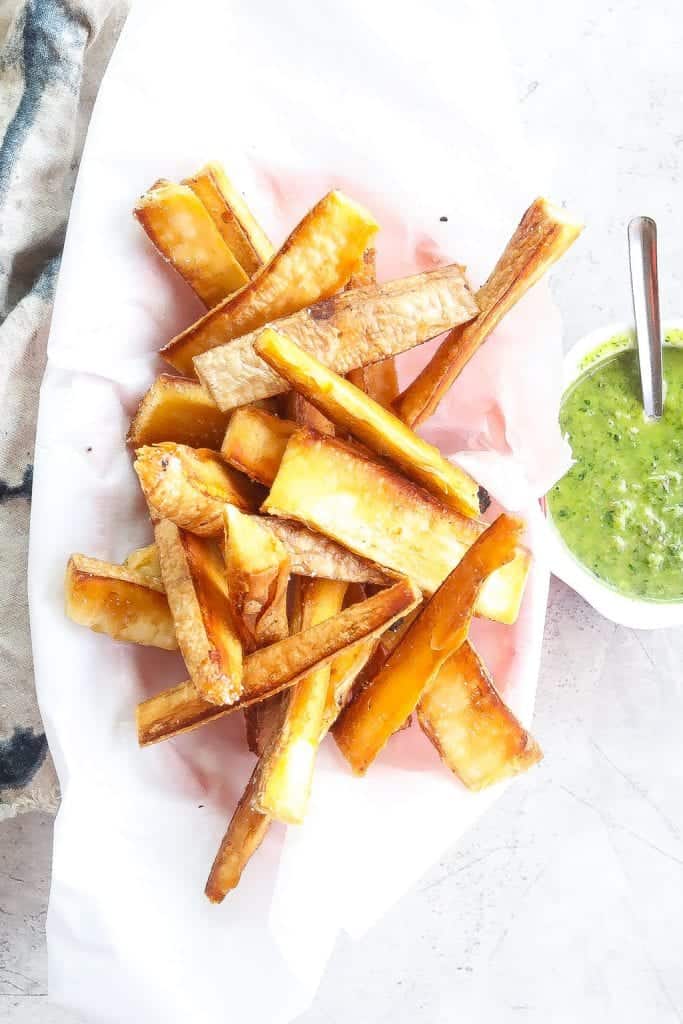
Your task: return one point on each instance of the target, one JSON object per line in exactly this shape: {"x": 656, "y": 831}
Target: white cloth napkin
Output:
{"x": 52, "y": 55}
{"x": 413, "y": 113}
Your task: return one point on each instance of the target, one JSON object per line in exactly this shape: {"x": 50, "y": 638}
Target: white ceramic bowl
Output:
{"x": 626, "y": 611}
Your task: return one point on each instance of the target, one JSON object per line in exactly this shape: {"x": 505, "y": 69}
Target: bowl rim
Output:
{"x": 634, "y": 612}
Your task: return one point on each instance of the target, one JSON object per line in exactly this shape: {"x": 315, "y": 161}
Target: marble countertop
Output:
{"x": 566, "y": 902}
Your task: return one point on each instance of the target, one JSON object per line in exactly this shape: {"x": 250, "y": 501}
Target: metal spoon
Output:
{"x": 642, "y": 252}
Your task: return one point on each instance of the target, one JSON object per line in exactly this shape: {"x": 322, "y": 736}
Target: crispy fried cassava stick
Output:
{"x": 123, "y": 603}
{"x": 180, "y": 228}
{"x": 227, "y": 208}
{"x": 180, "y": 410}
{"x": 255, "y": 442}
{"x": 315, "y": 261}
{"x": 379, "y": 380}
{"x": 197, "y": 592}
{"x": 248, "y": 826}
{"x": 274, "y": 668}
{"x": 190, "y": 486}
{"x": 542, "y": 237}
{"x": 286, "y": 771}
{"x": 382, "y": 432}
{"x": 381, "y": 708}
{"x": 335, "y": 488}
{"x": 475, "y": 733}
{"x": 244, "y": 835}
{"x": 257, "y": 570}
{"x": 345, "y": 331}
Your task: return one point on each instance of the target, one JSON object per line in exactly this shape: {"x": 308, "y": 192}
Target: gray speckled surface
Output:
{"x": 566, "y": 902}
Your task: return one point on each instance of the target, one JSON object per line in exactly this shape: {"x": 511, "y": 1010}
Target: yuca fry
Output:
{"x": 248, "y": 826}
{"x": 476, "y": 734}
{"x": 244, "y": 835}
{"x": 194, "y": 577}
{"x": 180, "y": 410}
{"x": 257, "y": 570}
{"x": 279, "y": 666}
{"x": 376, "y": 427}
{"x": 145, "y": 561}
{"x": 315, "y": 261}
{"x": 441, "y": 627}
{"x": 180, "y": 228}
{"x": 190, "y": 486}
{"x": 116, "y": 600}
{"x": 379, "y": 380}
{"x": 255, "y": 442}
{"x": 345, "y": 331}
{"x": 335, "y": 488}
{"x": 286, "y": 770}
{"x": 237, "y": 226}
{"x": 542, "y": 237}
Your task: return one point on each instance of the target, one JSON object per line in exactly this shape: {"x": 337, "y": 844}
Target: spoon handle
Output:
{"x": 642, "y": 252}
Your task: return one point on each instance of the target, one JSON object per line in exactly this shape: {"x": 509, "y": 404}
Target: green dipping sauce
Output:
{"x": 620, "y": 507}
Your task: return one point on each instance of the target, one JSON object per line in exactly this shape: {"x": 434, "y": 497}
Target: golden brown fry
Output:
{"x": 180, "y": 410}
{"x": 118, "y": 601}
{"x": 255, "y": 442}
{"x": 237, "y": 226}
{"x": 373, "y": 510}
{"x": 257, "y": 568}
{"x": 381, "y": 708}
{"x": 286, "y": 771}
{"x": 245, "y": 833}
{"x": 542, "y": 237}
{"x": 145, "y": 561}
{"x": 345, "y": 331}
{"x": 190, "y": 486}
{"x": 194, "y": 578}
{"x": 183, "y": 233}
{"x": 376, "y": 427}
{"x": 316, "y": 261}
{"x": 248, "y": 826}
{"x": 279, "y": 666}
{"x": 475, "y": 733}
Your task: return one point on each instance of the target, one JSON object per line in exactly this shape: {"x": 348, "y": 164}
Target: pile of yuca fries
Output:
{"x": 316, "y": 562}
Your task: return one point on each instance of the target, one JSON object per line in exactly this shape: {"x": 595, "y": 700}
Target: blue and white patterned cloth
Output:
{"x": 52, "y": 56}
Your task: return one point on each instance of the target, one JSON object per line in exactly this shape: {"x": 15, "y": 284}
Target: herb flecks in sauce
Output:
{"x": 620, "y": 506}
